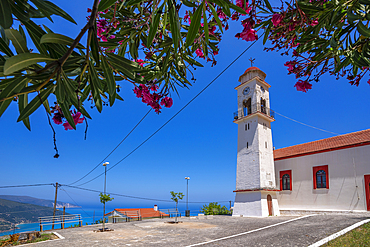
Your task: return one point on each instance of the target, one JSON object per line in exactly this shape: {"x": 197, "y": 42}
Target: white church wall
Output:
{"x": 266, "y": 154}
{"x": 248, "y": 204}
{"x": 346, "y": 167}
{"x": 248, "y": 175}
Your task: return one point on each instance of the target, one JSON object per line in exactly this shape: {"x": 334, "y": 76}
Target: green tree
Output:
{"x": 104, "y": 198}
{"x": 155, "y": 45}
{"x": 176, "y": 197}
{"x": 213, "y": 208}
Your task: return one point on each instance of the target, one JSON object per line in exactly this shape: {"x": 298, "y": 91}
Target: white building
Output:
{"x": 330, "y": 174}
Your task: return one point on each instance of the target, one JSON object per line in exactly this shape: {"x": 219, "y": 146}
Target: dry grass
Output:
{"x": 357, "y": 237}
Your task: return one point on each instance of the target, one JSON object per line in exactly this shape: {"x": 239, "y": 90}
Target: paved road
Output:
{"x": 278, "y": 231}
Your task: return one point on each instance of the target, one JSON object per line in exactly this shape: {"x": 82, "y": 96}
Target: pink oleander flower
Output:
{"x": 303, "y": 86}
{"x": 240, "y": 4}
{"x": 76, "y": 119}
{"x": 249, "y": 35}
{"x": 199, "y": 52}
{"x": 368, "y": 82}
{"x": 290, "y": 65}
{"x": 58, "y": 118}
{"x": 276, "y": 19}
{"x": 104, "y": 38}
{"x": 154, "y": 88}
{"x": 167, "y": 102}
{"x": 221, "y": 14}
{"x": 314, "y": 23}
{"x": 215, "y": 52}
{"x": 140, "y": 62}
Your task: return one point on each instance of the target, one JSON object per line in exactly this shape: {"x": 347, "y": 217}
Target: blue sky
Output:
{"x": 200, "y": 142}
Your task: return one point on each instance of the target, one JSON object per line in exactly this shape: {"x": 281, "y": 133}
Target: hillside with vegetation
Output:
{"x": 16, "y": 213}
{"x": 37, "y": 201}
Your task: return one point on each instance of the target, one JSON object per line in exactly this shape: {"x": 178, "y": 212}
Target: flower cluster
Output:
{"x": 58, "y": 117}
{"x": 149, "y": 96}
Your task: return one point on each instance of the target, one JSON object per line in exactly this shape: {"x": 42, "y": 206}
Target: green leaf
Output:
{"x": 206, "y": 31}
{"x": 194, "y": 26}
{"x": 58, "y": 39}
{"x": 35, "y": 103}
{"x": 104, "y": 4}
{"x": 154, "y": 26}
{"x": 59, "y": 90}
{"x": 19, "y": 12}
{"x": 22, "y": 103}
{"x": 174, "y": 24}
{"x": 94, "y": 45}
{"x": 17, "y": 40}
{"x": 95, "y": 86}
{"x": 237, "y": 9}
{"x": 4, "y": 105}
{"x": 352, "y": 17}
{"x": 5, "y": 48}
{"x": 267, "y": 32}
{"x": 14, "y": 87}
{"x": 366, "y": 2}
{"x": 192, "y": 61}
{"x": 268, "y": 5}
{"x": 131, "y": 65}
{"x": 188, "y": 3}
{"x": 215, "y": 15}
{"x": 6, "y": 19}
{"x": 22, "y": 61}
{"x": 108, "y": 73}
{"x": 52, "y": 9}
{"x": 67, "y": 114}
{"x": 362, "y": 29}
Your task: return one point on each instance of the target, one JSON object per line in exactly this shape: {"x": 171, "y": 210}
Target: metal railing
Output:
{"x": 253, "y": 109}
{"x": 60, "y": 219}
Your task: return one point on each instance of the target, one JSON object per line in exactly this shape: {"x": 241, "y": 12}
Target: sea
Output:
{"x": 88, "y": 216}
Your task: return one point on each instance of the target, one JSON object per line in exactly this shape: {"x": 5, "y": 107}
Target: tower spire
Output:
{"x": 252, "y": 61}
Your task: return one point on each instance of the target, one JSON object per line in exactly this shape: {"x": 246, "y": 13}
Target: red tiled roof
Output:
{"x": 354, "y": 139}
{"x": 252, "y": 68}
{"x": 144, "y": 212}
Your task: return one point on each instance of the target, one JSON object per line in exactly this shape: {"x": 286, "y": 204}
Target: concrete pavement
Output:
{"x": 215, "y": 231}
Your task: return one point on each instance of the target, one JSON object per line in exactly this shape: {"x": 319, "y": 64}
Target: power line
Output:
{"x": 306, "y": 124}
{"x": 113, "y": 149}
{"x": 25, "y": 185}
{"x": 196, "y": 96}
{"x": 76, "y": 202}
{"x": 128, "y": 196}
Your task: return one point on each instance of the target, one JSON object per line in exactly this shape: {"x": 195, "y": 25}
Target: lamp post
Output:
{"x": 105, "y": 186}
{"x": 187, "y": 212}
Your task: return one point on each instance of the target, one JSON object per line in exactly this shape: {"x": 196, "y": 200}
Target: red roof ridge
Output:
{"x": 340, "y": 141}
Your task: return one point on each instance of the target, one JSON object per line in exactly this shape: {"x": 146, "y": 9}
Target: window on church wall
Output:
{"x": 321, "y": 177}
{"x": 286, "y": 180}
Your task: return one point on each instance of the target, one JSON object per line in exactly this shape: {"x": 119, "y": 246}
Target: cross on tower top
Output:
{"x": 252, "y": 61}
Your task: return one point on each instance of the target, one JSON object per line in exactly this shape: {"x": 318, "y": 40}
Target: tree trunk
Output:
{"x": 104, "y": 218}
{"x": 176, "y": 213}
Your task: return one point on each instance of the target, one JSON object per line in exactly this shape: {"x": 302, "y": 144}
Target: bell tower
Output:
{"x": 255, "y": 177}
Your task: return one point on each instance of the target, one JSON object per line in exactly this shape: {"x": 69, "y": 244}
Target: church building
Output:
{"x": 332, "y": 174}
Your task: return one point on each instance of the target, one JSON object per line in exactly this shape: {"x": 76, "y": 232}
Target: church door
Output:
{"x": 269, "y": 204}
{"x": 367, "y": 190}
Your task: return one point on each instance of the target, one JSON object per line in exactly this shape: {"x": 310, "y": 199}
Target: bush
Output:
{"x": 214, "y": 208}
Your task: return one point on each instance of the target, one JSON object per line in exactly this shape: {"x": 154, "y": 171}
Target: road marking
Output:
{"x": 340, "y": 233}
{"x": 58, "y": 235}
{"x": 243, "y": 233}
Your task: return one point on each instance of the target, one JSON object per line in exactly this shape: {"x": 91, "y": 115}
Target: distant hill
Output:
{"x": 16, "y": 213}
{"x": 37, "y": 201}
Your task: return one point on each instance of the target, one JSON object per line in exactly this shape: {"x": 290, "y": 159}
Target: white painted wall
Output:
{"x": 342, "y": 193}
{"x": 254, "y": 203}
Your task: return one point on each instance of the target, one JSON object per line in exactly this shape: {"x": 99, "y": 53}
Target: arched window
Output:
{"x": 286, "y": 182}
{"x": 247, "y": 108}
{"x": 320, "y": 179}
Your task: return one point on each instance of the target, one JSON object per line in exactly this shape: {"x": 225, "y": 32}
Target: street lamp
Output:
{"x": 187, "y": 212}
{"x": 105, "y": 186}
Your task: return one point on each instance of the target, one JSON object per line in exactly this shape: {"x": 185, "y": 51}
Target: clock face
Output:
{"x": 246, "y": 90}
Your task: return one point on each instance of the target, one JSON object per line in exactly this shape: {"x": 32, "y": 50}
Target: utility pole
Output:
{"x": 55, "y": 203}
